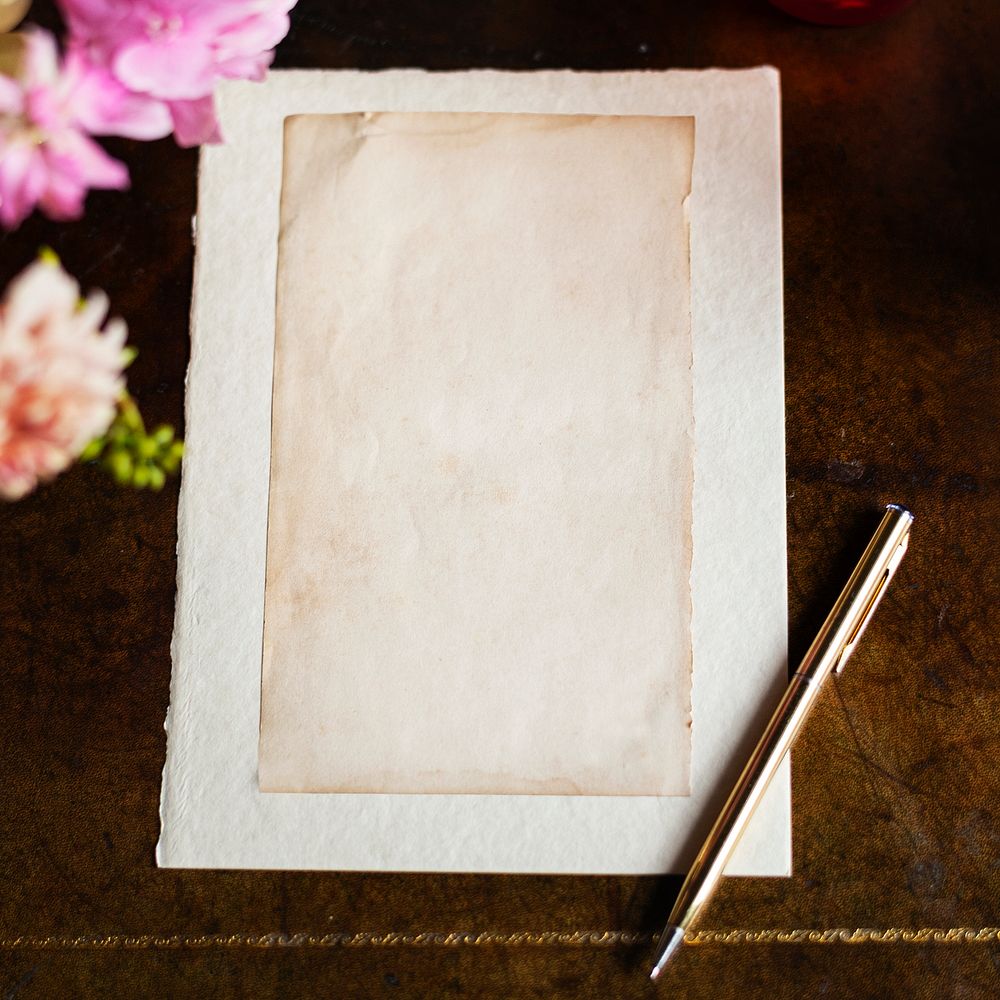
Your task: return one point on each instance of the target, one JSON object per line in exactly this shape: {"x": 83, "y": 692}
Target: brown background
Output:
{"x": 891, "y": 226}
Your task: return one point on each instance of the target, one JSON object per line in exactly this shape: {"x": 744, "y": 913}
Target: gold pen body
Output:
{"x": 829, "y": 651}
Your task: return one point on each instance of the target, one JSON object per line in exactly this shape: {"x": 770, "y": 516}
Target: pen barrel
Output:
{"x": 861, "y": 595}
{"x": 829, "y": 651}
{"x": 763, "y": 764}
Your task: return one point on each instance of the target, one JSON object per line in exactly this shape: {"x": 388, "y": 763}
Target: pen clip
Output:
{"x": 873, "y": 601}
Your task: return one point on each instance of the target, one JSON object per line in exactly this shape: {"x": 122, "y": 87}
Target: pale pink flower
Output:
{"x": 46, "y": 158}
{"x": 166, "y": 56}
{"x": 60, "y": 376}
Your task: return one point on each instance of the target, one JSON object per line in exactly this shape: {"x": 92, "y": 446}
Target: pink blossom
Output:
{"x": 166, "y": 56}
{"x": 60, "y": 376}
{"x": 46, "y": 158}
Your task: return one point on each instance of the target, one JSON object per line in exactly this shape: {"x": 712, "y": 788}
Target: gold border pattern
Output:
{"x": 435, "y": 939}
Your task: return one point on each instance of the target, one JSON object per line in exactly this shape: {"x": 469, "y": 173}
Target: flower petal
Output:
{"x": 22, "y": 180}
{"x": 246, "y": 67}
{"x": 257, "y": 33}
{"x": 83, "y": 16}
{"x": 77, "y": 155}
{"x": 11, "y": 96}
{"x": 62, "y": 198}
{"x": 195, "y": 122}
{"x": 41, "y": 57}
{"x": 178, "y": 68}
{"x": 104, "y": 107}
{"x": 40, "y": 290}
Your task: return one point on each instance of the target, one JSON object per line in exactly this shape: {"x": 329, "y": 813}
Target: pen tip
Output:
{"x": 669, "y": 942}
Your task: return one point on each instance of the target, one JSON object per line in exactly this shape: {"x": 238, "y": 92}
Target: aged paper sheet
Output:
{"x": 479, "y": 524}
{"x": 213, "y": 812}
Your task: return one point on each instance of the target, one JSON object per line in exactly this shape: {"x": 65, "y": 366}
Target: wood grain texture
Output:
{"x": 891, "y": 255}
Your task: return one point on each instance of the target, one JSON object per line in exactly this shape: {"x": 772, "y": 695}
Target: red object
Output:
{"x": 841, "y": 12}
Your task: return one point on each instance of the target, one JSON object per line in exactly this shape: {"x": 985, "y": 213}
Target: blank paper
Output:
{"x": 479, "y": 518}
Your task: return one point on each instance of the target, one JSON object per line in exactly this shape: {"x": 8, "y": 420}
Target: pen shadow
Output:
{"x": 648, "y": 907}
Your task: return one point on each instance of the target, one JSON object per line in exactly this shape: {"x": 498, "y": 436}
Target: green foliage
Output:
{"x": 132, "y": 456}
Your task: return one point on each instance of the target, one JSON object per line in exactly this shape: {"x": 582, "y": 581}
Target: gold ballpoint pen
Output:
{"x": 829, "y": 652}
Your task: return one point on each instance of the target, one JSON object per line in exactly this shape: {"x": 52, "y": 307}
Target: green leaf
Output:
{"x": 130, "y": 415}
{"x": 93, "y": 450}
{"x": 146, "y": 447}
{"x": 120, "y": 466}
{"x": 156, "y": 478}
{"x": 163, "y": 435}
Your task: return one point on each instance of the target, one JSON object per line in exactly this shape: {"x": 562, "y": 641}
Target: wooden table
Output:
{"x": 891, "y": 157}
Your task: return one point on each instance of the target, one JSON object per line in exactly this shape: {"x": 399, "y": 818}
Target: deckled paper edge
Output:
{"x": 192, "y": 814}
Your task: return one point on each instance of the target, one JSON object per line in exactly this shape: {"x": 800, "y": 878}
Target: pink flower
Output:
{"x": 60, "y": 376}
{"x": 46, "y": 158}
{"x": 166, "y": 56}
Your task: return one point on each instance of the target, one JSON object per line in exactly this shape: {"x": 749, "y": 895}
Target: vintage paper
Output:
{"x": 213, "y": 812}
{"x": 479, "y": 528}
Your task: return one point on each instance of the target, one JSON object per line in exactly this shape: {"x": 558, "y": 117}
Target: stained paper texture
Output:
{"x": 479, "y": 522}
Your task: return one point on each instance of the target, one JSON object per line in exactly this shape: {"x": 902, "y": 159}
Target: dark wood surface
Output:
{"x": 891, "y": 175}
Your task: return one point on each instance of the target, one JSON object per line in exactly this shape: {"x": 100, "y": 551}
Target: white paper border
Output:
{"x": 212, "y": 814}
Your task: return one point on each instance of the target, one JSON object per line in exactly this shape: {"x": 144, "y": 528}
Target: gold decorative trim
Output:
{"x": 571, "y": 939}
{"x": 846, "y": 935}
{"x": 386, "y": 939}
